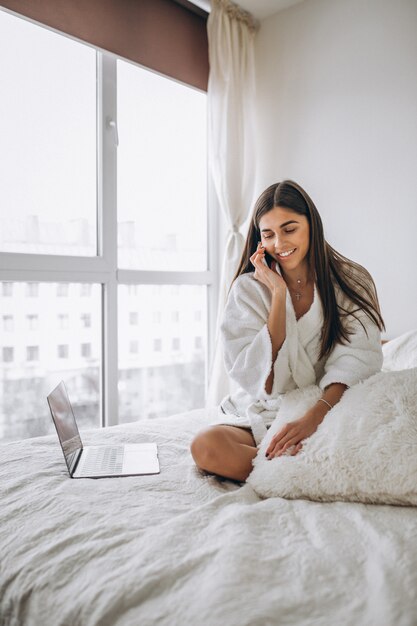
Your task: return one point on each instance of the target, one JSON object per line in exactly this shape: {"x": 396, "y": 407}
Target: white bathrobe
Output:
{"x": 247, "y": 350}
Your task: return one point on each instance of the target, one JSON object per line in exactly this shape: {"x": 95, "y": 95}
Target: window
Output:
{"x": 86, "y": 290}
{"x": 156, "y": 317}
{"x": 34, "y": 365}
{"x": 32, "y": 290}
{"x": 62, "y": 290}
{"x": 8, "y": 323}
{"x": 63, "y": 321}
{"x": 86, "y": 320}
{"x": 133, "y": 319}
{"x": 83, "y": 282}
{"x": 176, "y": 343}
{"x": 32, "y": 353}
{"x": 8, "y": 354}
{"x": 134, "y": 347}
{"x": 162, "y": 128}
{"x": 86, "y": 350}
{"x": 54, "y": 211}
{"x": 63, "y": 351}
{"x": 133, "y": 290}
{"x": 167, "y": 354}
{"x": 32, "y": 322}
{"x": 198, "y": 343}
{"x": 7, "y": 290}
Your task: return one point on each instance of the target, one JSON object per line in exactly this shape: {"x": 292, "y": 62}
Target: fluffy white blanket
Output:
{"x": 184, "y": 548}
{"x": 364, "y": 450}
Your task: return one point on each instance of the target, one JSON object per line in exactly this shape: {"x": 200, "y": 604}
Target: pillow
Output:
{"x": 365, "y": 450}
{"x": 400, "y": 353}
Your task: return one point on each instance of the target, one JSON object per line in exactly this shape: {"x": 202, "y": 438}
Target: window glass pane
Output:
{"x": 161, "y": 172}
{"x": 50, "y": 343}
{"x": 161, "y": 364}
{"x": 48, "y": 141}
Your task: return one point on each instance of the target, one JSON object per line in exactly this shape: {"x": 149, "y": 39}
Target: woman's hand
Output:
{"x": 267, "y": 276}
{"x": 292, "y": 434}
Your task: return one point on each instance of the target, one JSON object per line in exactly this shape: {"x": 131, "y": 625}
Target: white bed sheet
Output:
{"x": 185, "y": 548}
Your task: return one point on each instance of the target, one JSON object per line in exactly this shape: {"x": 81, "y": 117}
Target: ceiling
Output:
{"x": 259, "y": 8}
{"x": 264, "y": 8}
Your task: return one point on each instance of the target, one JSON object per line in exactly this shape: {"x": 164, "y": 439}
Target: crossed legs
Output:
{"x": 225, "y": 450}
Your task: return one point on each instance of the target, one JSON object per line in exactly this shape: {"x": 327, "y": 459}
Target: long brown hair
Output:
{"x": 328, "y": 266}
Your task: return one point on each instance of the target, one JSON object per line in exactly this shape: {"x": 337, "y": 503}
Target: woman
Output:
{"x": 298, "y": 313}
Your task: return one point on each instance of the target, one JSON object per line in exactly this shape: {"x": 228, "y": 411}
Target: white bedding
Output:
{"x": 185, "y": 548}
{"x": 363, "y": 451}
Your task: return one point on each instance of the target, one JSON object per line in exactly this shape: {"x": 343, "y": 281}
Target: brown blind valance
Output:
{"x": 159, "y": 34}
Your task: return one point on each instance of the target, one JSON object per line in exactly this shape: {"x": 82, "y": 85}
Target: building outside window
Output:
{"x": 86, "y": 320}
{"x": 32, "y": 290}
{"x": 176, "y": 343}
{"x": 63, "y": 351}
{"x": 62, "y": 290}
{"x": 7, "y": 290}
{"x": 85, "y": 290}
{"x": 133, "y": 319}
{"x": 32, "y": 322}
{"x": 134, "y": 347}
{"x": 8, "y": 354}
{"x": 86, "y": 350}
{"x": 63, "y": 321}
{"x": 41, "y": 367}
{"x": 8, "y": 323}
{"x": 133, "y": 290}
{"x": 156, "y": 317}
{"x": 32, "y": 353}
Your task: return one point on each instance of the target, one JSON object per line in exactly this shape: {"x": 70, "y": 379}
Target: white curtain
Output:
{"x": 231, "y": 141}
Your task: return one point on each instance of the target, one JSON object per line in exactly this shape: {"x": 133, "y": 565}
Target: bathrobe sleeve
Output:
{"x": 357, "y": 360}
{"x": 247, "y": 347}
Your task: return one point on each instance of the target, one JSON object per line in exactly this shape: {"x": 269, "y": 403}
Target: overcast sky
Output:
{"x": 48, "y": 136}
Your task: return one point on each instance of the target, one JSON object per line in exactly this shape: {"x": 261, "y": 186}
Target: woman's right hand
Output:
{"x": 268, "y": 276}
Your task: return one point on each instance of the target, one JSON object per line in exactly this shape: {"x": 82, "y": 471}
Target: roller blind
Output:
{"x": 160, "y": 34}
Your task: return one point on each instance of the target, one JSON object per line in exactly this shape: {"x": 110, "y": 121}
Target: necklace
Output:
{"x": 297, "y": 293}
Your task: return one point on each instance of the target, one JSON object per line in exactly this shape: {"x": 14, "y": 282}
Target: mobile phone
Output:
{"x": 267, "y": 259}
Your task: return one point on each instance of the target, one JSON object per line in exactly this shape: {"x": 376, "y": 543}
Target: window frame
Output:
{"x": 103, "y": 269}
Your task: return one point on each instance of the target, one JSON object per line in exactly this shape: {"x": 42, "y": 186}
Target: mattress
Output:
{"x": 185, "y": 547}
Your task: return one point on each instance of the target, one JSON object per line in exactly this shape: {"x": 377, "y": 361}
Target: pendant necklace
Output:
{"x": 297, "y": 293}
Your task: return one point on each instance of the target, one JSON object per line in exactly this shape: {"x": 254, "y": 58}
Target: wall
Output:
{"x": 337, "y": 112}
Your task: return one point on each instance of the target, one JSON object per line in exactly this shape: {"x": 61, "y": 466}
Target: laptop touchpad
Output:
{"x": 141, "y": 458}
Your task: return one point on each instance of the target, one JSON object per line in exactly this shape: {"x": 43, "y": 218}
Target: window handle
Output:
{"x": 112, "y": 124}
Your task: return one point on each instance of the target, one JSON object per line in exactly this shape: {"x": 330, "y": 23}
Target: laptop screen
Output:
{"x": 66, "y": 427}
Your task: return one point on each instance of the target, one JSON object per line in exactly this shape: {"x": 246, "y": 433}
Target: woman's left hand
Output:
{"x": 292, "y": 434}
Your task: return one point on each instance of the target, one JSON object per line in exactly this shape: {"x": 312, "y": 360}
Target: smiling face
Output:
{"x": 286, "y": 237}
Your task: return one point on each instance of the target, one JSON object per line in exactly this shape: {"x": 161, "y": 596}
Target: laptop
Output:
{"x": 97, "y": 461}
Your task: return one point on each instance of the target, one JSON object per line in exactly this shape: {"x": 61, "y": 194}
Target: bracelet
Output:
{"x": 325, "y": 402}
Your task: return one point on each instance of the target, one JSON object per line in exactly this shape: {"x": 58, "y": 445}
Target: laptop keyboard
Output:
{"x": 104, "y": 460}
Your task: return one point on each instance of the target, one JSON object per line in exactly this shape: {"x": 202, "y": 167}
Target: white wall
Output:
{"x": 337, "y": 112}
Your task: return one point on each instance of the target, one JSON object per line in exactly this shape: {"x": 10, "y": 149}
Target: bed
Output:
{"x": 185, "y": 547}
